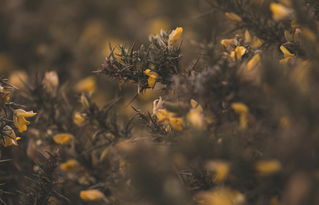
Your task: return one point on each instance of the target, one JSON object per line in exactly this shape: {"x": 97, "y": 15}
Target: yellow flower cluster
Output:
{"x": 19, "y": 119}
{"x": 168, "y": 118}
{"x": 175, "y": 35}
{"x": 152, "y": 77}
{"x": 238, "y": 52}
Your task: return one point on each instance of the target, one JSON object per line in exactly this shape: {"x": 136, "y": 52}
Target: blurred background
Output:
{"x": 73, "y": 36}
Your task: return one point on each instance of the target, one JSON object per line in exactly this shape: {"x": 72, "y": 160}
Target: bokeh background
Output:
{"x": 74, "y": 37}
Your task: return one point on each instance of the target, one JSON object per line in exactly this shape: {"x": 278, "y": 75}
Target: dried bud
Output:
{"x": 51, "y": 82}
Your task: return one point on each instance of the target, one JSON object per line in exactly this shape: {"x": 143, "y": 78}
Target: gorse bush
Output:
{"x": 223, "y": 111}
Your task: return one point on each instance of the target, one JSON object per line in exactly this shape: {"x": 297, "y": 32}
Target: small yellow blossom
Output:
{"x": 195, "y": 115}
{"x": 196, "y": 118}
{"x": 78, "y": 119}
{"x": 256, "y": 42}
{"x": 287, "y": 55}
{"x": 162, "y": 115}
{"x": 233, "y": 17}
{"x": 220, "y": 168}
{"x": 87, "y": 85}
{"x": 240, "y": 108}
{"x": 286, "y": 52}
{"x": 19, "y": 119}
{"x": 175, "y": 35}
{"x": 279, "y": 11}
{"x": 152, "y": 77}
{"x": 220, "y": 196}
{"x": 176, "y": 123}
{"x": 253, "y": 62}
{"x": 168, "y": 118}
{"x": 247, "y": 36}
{"x": 9, "y": 137}
{"x": 240, "y": 52}
{"x": 243, "y": 112}
{"x": 228, "y": 43}
{"x": 70, "y": 165}
{"x": 268, "y": 167}
{"x": 63, "y": 138}
{"x": 92, "y": 195}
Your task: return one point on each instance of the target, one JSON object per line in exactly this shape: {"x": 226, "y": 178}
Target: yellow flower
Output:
{"x": 232, "y": 16}
{"x": 220, "y": 196}
{"x": 152, "y": 76}
{"x": 168, "y": 118}
{"x": 229, "y": 42}
{"x": 286, "y": 52}
{"x": 220, "y": 168}
{"x": 176, "y": 123}
{"x": 252, "y": 63}
{"x": 9, "y": 137}
{"x": 19, "y": 119}
{"x": 92, "y": 195}
{"x": 243, "y": 112}
{"x": 163, "y": 115}
{"x": 78, "y": 119}
{"x": 240, "y": 108}
{"x": 268, "y": 167}
{"x": 195, "y": 115}
{"x": 279, "y": 11}
{"x": 63, "y": 138}
{"x": 70, "y": 165}
{"x": 287, "y": 55}
{"x": 256, "y": 42}
{"x": 239, "y": 52}
{"x": 86, "y": 85}
{"x": 175, "y": 35}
